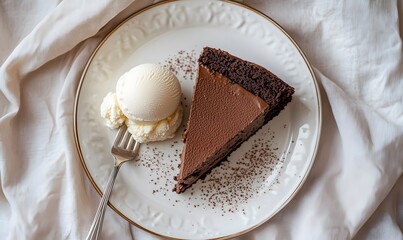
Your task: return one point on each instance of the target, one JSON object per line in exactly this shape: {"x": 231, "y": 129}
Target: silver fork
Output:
{"x": 124, "y": 149}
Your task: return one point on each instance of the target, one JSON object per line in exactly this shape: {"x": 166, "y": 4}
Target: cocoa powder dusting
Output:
{"x": 183, "y": 64}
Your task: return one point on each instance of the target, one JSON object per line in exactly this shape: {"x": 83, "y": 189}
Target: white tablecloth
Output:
{"x": 355, "y": 188}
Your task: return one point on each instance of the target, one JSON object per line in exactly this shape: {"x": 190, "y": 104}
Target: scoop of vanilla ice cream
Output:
{"x": 111, "y": 112}
{"x": 147, "y": 100}
{"x": 148, "y": 93}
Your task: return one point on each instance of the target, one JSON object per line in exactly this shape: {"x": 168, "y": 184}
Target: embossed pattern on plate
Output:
{"x": 274, "y": 162}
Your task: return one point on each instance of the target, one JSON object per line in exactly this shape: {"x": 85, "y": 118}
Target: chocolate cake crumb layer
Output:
{"x": 233, "y": 99}
{"x": 254, "y": 78}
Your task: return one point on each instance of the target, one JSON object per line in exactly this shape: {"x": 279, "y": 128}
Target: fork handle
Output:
{"x": 96, "y": 226}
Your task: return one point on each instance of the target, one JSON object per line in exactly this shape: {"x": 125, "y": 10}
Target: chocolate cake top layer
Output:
{"x": 219, "y": 111}
{"x": 252, "y": 77}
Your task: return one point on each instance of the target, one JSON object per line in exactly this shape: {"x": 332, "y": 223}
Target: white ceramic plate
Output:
{"x": 260, "y": 177}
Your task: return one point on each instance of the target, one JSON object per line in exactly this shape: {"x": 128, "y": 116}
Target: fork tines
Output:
{"x": 124, "y": 140}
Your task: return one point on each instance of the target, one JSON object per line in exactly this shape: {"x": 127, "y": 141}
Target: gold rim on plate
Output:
{"x": 77, "y": 142}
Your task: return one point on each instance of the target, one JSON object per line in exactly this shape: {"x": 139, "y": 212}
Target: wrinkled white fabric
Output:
{"x": 355, "y": 188}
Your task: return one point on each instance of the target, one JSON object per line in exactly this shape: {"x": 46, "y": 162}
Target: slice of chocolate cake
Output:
{"x": 233, "y": 98}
